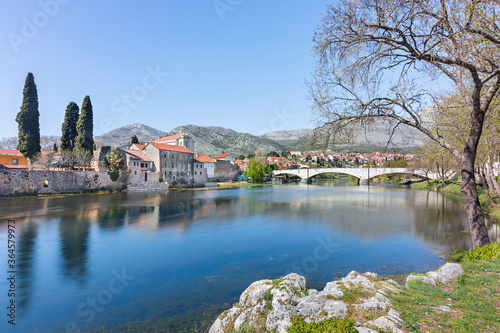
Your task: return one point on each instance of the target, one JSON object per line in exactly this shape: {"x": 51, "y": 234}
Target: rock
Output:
{"x": 365, "y": 330}
{"x": 423, "y": 278}
{"x": 255, "y": 292}
{"x": 386, "y": 323}
{"x": 378, "y": 301}
{"x": 333, "y": 289}
{"x": 444, "y": 308}
{"x": 447, "y": 272}
{"x": 287, "y": 299}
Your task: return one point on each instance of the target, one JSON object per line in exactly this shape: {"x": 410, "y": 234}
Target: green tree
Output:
{"x": 240, "y": 157}
{"x": 69, "y": 126}
{"x": 256, "y": 171}
{"x": 85, "y": 126}
{"x": 272, "y": 153}
{"x": 285, "y": 153}
{"x": 134, "y": 139}
{"x": 374, "y": 62}
{"x": 250, "y": 156}
{"x": 55, "y": 148}
{"x": 114, "y": 160}
{"x": 29, "y": 122}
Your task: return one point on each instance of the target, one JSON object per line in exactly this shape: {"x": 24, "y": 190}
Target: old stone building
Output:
{"x": 174, "y": 163}
{"x": 139, "y": 166}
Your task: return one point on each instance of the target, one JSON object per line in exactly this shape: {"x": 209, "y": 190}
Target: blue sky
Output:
{"x": 241, "y": 65}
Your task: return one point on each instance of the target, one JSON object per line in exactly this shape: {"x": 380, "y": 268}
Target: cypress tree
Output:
{"x": 134, "y": 139}
{"x": 85, "y": 127}
{"x": 28, "y": 120}
{"x": 69, "y": 126}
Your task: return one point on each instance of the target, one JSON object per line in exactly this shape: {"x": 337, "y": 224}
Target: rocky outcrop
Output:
{"x": 272, "y": 304}
{"x": 443, "y": 275}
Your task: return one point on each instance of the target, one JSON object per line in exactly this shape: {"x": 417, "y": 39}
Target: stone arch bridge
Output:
{"x": 363, "y": 174}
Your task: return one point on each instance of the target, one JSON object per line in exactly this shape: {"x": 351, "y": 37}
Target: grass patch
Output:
{"x": 333, "y": 325}
{"x": 469, "y": 313}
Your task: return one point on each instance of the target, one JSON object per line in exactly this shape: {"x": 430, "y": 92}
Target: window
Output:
{"x": 135, "y": 172}
{"x": 170, "y": 173}
{"x": 15, "y": 161}
{"x": 195, "y": 173}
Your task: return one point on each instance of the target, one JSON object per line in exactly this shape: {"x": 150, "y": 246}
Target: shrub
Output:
{"x": 334, "y": 325}
{"x": 485, "y": 252}
{"x": 114, "y": 175}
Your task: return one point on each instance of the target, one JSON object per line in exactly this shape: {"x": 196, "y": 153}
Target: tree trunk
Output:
{"x": 477, "y": 226}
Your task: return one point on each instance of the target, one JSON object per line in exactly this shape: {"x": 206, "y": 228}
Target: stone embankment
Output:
{"x": 271, "y": 304}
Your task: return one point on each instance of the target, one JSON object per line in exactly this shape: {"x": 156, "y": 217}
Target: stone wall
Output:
{"x": 19, "y": 182}
{"x": 225, "y": 170}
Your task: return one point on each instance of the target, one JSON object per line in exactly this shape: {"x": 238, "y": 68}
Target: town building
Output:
{"x": 173, "y": 163}
{"x": 181, "y": 140}
{"x": 225, "y": 157}
{"x": 12, "y": 159}
{"x": 208, "y": 164}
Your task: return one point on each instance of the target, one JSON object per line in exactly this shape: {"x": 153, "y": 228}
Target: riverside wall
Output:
{"x": 24, "y": 182}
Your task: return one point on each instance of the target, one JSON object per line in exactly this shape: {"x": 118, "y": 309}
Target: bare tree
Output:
{"x": 376, "y": 58}
{"x": 9, "y": 143}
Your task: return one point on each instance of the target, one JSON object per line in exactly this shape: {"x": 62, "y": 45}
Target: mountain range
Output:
{"x": 214, "y": 140}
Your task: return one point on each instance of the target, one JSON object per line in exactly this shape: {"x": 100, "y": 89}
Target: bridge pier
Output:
{"x": 363, "y": 181}
{"x": 306, "y": 180}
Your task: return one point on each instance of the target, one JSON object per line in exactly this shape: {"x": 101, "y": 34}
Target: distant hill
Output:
{"x": 214, "y": 139}
{"x": 122, "y": 136}
{"x": 208, "y": 140}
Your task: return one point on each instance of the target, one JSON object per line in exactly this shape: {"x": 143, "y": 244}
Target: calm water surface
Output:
{"x": 88, "y": 261}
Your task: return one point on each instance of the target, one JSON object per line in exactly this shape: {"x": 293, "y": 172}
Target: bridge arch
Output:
{"x": 363, "y": 174}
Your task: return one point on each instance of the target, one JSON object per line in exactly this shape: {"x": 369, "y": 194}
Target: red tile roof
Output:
{"x": 166, "y": 138}
{"x": 137, "y": 153}
{"x": 206, "y": 158}
{"x": 222, "y": 155}
{"x": 180, "y": 149}
{"x": 139, "y": 145}
{"x": 197, "y": 159}
{"x": 11, "y": 152}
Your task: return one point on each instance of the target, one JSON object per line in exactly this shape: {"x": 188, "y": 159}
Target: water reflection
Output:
{"x": 74, "y": 233}
{"x": 192, "y": 247}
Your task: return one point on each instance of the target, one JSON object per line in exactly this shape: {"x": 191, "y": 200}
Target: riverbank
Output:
{"x": 453, "y": 188}
{"x": 445, "y": 300}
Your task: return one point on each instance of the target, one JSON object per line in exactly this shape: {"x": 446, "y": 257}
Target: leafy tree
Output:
{"x": 28, "y": 121}
{"x": 272, "y": 153}
{"x": 256, "y": 171}
{"x": 55, "y": 148}
{"x": 240, "y": 157}
{"x": 250, "y": 156}
{"x": 69, "y": 126}
{"x": 114, "y": 160}
{"x": 285, "y": 153}
{"x": 85, "y": 127}
{"x": 134, "y": 139}
{"x": 374, "y": 62}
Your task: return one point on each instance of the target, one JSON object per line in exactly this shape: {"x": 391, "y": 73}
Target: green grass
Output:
{"x": 474, "y": 299}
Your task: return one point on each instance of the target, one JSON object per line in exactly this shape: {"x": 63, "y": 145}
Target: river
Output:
{"x": 85, "y": 261}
